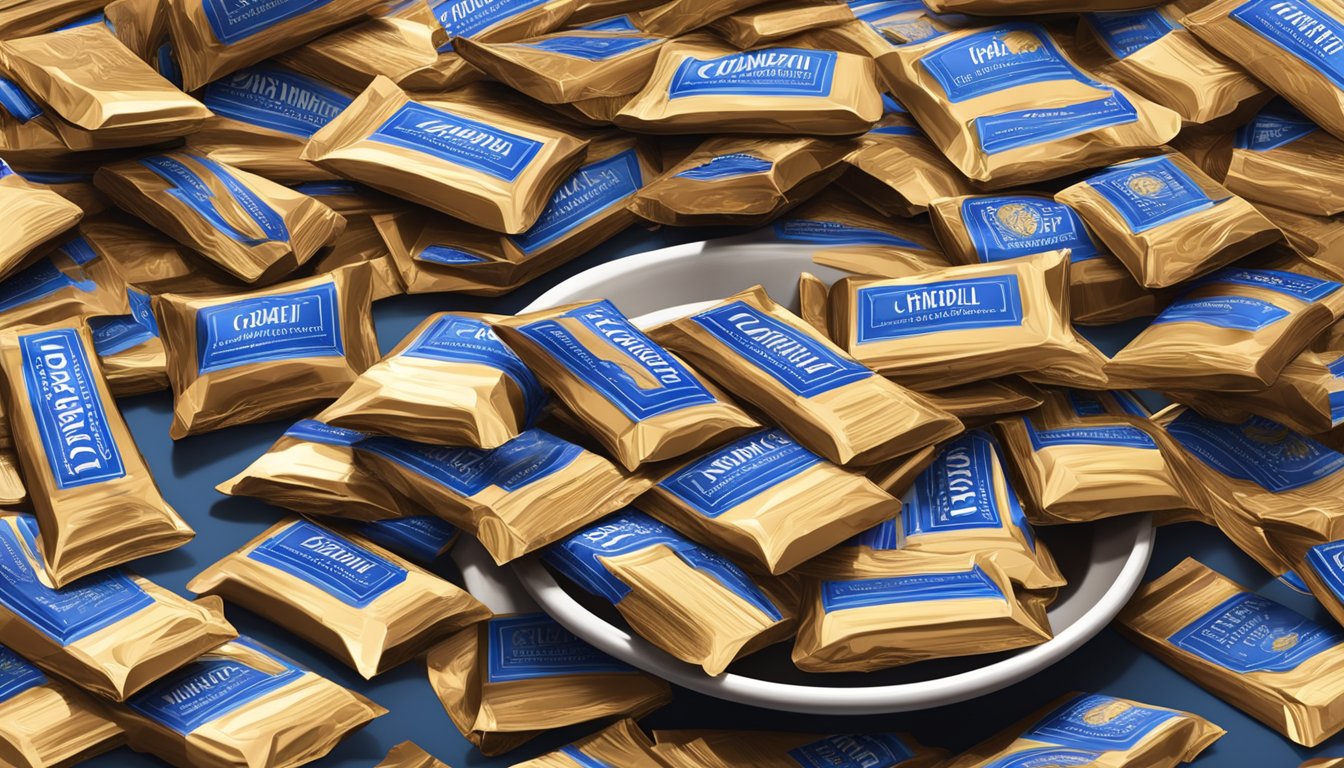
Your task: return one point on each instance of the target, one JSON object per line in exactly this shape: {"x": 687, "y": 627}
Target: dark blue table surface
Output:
{"x": 188, "y": 471}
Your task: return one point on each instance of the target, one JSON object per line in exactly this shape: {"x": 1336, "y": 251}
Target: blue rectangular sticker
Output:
{"x": 592, "y": 47}
{"x": 1277, "y": 125}
{"x": 1240, "y": 313}
{"x": 1327, "y": 562}
{"x": 1046, "y": 757}
{"x": 346, "y": 571}
{"x": 116, "y": 334}
{"x": 459, "y": 339}
{"x": 974, "y": 584}
{"x": 1127, "y": 33}
{"x": 728, "y": 166}
{"x": 233, "y": 21}
{"x": 765, "y": 72}
{"x": 1248, "y": 633}
{"x": 17, "y": 103}
{"x": 317, "y": 432}
{"x": 836, "y": 233}
{"x": 1120, "y": 436}
{"x": 1150, "y": 192}
{"x": 458, "y": 140}
{"x": 420, "y": 537}
{"x": 1310, "y": 34}
{"x": 275, "y": 98}
{"x": 1009, "y": 226}
{"x": 743, "y": 469}
{"x": 1002, "y": 57}
{"x": 958, "y": 492}
{"x": 1095, "y": 721}
{"x": 899, "y": 311}
{"x": 17, "y": 675}
{"x": 593, "y": 190}
{"x": 190, "y": 188}
{"x": 468, "y": 18}
{"x": 1028, "y": 127}
{"x": 1301, "y": 287}
{"x": 865, "y": 750}
{"x": 448, "y": 255}
{"x": 524, "y": 460}
{"x": 284, "y": 326}
{"x": 536, "y": 646}
{"x": 1257, "y": 451}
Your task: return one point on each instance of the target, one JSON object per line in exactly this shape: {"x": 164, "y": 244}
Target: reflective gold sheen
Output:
{"x": 54, "y": 725}
{"x": 620, "y": 744}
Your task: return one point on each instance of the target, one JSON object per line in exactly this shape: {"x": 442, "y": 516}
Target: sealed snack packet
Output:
{"x": 422, "y": 538}
{"x": 362, "y": 243}
{"x": 129, "y": 349}
{"x": 256, "y": 230}
{"x": 486, "y": 165}
{"x": 768, "y": 749}
{"x": 111, "y": 633}
{"x": 812, "y": 308}
{"x": 505, "y": 680}
{"x": 852, "y": 237}
{"x": 986, "y": 399}
{"x": 93, "y": 493}
{"x": 147, "y": 260}
{"x": 33, "y": 216}
{"x": 830, "y": 403}
{"x": 20, "y": 18}
{"x": 895, "y": 608}
{"x": 74, "y": 186}
{"x": 1283, "y": 159}
{"x": 409, "y": 755}
{"x": 622, "y": 743}
{"x": 1096, "y": 729}
{"x": 773, "y": 21}
{"x": 1309, "y": 538}
{"x": 897, "y": 170}
{"x": 1063, "y": 405}
{"x": 1016, "y": 7}
{"x": 687, "y": 599}
{"x": 234, "y": 359}
{"x": 637, "y": 399}
{"x": 46, "y": 722}
{"x": 1262, "y": 657}
{"x": 71, "y": 281}
{"x": 569, "y": 66}
{"x": 1008, "y": 107}
{"x": 1315, "y": 239}
{"x": 703, "y": 86}
{"x": 350, "y": 198}
{"x": 402, "y": 46}
{"x": 1166, "y": 220}
{"x": 243, "y": 705}
{"x": 353, "y": 599}
{"x": 677, "y": 17}
{"x": 963, "y": 324}
{"x": 141, "y": 25}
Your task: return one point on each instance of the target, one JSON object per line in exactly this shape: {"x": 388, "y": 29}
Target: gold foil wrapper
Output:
{"x": 48, "y": 723}
{"x": 1301, "y": 175}
{"x": 361, "y": 243}
{"x": 403, "y": 49}
{"x": 140, "y": 25}
{"x": 20, "y": 18}
{"x": 1297, "y": 694}
{"x": 622, "y": 743}
{"x": 908, "y": 247}
{"x": 767, "y": 23}
{"x": 1324, "y": 762}
{"x": 550, "y": 77}
{"x": 155, "y": 264}
{"x": 1023, "y": 7}
{"x": 138, "y": 368}
{"x": 409, "y": 755}
{"x": 812, "y": 308}
{"x": 89, "y": 289}
{"x": 769, "y": 749}
{"x": 1304, "y": 536}
{"x": 857, "y": 37}
{"x": 677, "y": 17}
{"x": 896, "y": 476}
{"x": 987, "y": 399}
{"x": 78, "y": 189}
{"x": 498, "y": 715}
{"x": 33, "y": 215}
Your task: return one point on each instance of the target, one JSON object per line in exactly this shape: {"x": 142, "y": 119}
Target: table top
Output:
{"x": 188, "y": 471}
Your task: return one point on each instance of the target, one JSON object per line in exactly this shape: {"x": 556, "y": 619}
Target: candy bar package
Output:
{"x": 1283, "y": 159}
{"x": 410, "y": 755}
{"x": 74, "y": 186}
{"x": 1008, "y": 107}
{"x": 850, "y": 236}
{"x": 776, "y": 20}
{"x": 355, "y": 600}
{"x": 33, "y": 215}
{"x": 46, "y": 722}
{"x": 703, "y": 86}
{"x": 350, "y": 198}
{"x": 155, "y": 264}
{"x": 897, "y": 171}
{"x": 422, "y": 538}
{"x": 362, "y": 243}
{"x": 677, "y": 17}
{"x": 111, "y": 633}
{"x": 1234, "y": 331}
{"x": 637, "y": 399}
{"x": 129, "y": 349}
{"x": 684, "y": 598}
{"x": 19, "y": 18}
{"x": 1308, "y": 538}
{"x": 400, "y": 47}
{"x": 986, "y": 399}
{"x": 622, "y": 743}
{"x": 1096, "y": 729}
{"x": 1315, "y": 239}
{"x": 569, "y": 66}
{"x": 485, "y": 165}
{"x": 833, "y": 405}
{"x": 239, "y": 358}
{"x": 1258, "y": 655}
{"x": 141, "y": 25}
{"x": 858, "y": 37}
{"x": 812, "y": 308}
{"x": 508, "y": 679}
{"x": 769, "y": 749}
{"x": 93, "y": 493}
{"x": 1016, "y": 7}
{"x": 69, "y": 282}
{"x": 1166, "y": 220}
{"x": 895, "y": 608}
{"x": 243, "y": 705}
{"x": 254, "y": 229}
{"x": 515, "y": 499}
{"x": 963, "y": 324}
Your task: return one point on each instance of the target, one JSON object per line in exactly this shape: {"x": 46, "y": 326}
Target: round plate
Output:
{"x": 1103, "y": 561}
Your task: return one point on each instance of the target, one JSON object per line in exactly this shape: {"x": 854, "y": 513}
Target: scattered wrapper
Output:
{"x": 622, "y": 743}
{"x": 987, "y": 399}
{"x": 72, "y": 281}
{"x": 569, "y": 66}
{"x": 129, "y": 349}
{"x": 27, "y": 17}
{"x": 34, "y": 215}
{"x": 148, "y": 260}
{"x": 46, "y": 722}
{"x": 677, "y": 17}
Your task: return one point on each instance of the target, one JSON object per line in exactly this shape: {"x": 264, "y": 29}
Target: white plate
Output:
{"x": 1103, "y": 561}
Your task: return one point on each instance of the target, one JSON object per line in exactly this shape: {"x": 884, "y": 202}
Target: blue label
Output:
{"x": 165, "y": 61}
{"x": 900, "y": 311}
{"x": 1302, "y": 287}
{"x": 867, "y": 593}
{"x": 1257, "y": 451}
{"x": 822, "y": 232}
{"x": 1327, "y": 562}
{"x": 446, "y": 254}
{"x": 317, "y": 432}
{"x": 739, "y": 471}
{"x": 1291, "y": 580}
{"x": 957, "y": 492}
{"x": 518, "y": 463}
{"x": 536, "y": 646}
{"x": 62, "y": 388}
{"x": 67, "y": 615}
{"x": 1236, "y": 312}
{"x": 1026, "y": 127}
{"x": 36, "y": 282}
{"x": 727, "y": 167}
{"x": 421, "y": 537}
{"x": 468, "y": 18}
{"x": 1086, "y": 403}
{"x": 233, "y": 21}
{"x": 346, "y": 571}
{"x": 765, "y": 72}
{"x": 5, "y": 170}
{"x": 592, "y": 48}
{"x": 188, "y": 188}
{"x": 458, "y": 339}
{"x": 275, "y": 98}
{"x": 112, "y": 335}
{"x": 1121, "y": 436}
{"x": 1126, "y": 33}
{"x": 16, "y": 102}
{"x": 626, "y": 367}
{"x": 584, "y": 761}
{"x": 1300, "y": 28}
{"x": 1336, "y": 398}
{"x": 458, "y": 140}
{"x": 1094, "y": 721}
{"x": 211, "y": 687}
{"x": 261, "y": 329}
{"x": 58, "y": 177}
{"x": 592, "y": 190}
{"x": 868, "y": 750}
{"x": 1151, "y": 192}
{"x": 17, "y": 675}
{"x": 78, "y": 249}
{"x": 1006, "y": 56}
{"x": 1045, "y": 757}
{"x": 1008, "y": 227}
{"x": 883, "y": 536}
{"x": 614, "y": 24}
{"x": 1277, "y": 125}
{"x": 1249, "y": 633}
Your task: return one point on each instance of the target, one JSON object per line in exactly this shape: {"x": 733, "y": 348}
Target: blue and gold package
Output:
{"x": 27, "y": 17}
{"x": 130, "y": 350}
{"x": 153, "y": 263}
{"x": 759, "y": 24}
{"x": 850, "y": 236}
{"x": 33, "y": 215}
{"x": 770, "y": 749}
{"x": 622, "y": 743}
{"x": 46, "y": 722}
{"x": 362, "y": 243}
{"x": 422, "y": 538}
{"x": 410, "y": 755}
{"x": 674, "y": 18}
{"x": 71, "y": 281}
{"x": 565, "y": 67}
{"x": 1283, "y": 159}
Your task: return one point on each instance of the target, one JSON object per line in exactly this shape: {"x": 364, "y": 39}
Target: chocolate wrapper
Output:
{"x": 812, "y": 308}
{"x": 677, "y": 17}
{"x": 1096, "y": 729}
{"x": 896, "y": 476}
{"x": 529, "y": 492}
{"x": 774, "y": 21}
{"x": 639, "y": 401}
{"x": 73, "y": 281}
{"x": 686, "y": 599}
{"x": 1283, "y": 159}
{"x": 1016, "y": 7}
{"x": 903, "y": 23}
{"x": 1064, "y": 405}
{"x": 408, "y": 755}
{"x": 111, "y": 633}
{"x": 1166, "y": 220}
{"x": 622, "y": 743}
{"x": 242, "y": 705}
{"x": 267, "y": 353}
{"x": 847, "y": 235}
{"x": 358, "y": 602}
{"x": 254, "y": 229}
{"x": 565, "y": 67}
{"x": 1263, "y": 658}
{"x": 768, "y": 749}
{"x": 20, "y": 18}
{"x": 703, "y": 86}
{"x": 33, "y": 215}
{"x": 857, "y": 37}
{"x": 1308, "y": 539}
{"x": 832, "y": 404}
{"x": 76, "y": 187}
{"x": 351, "y": 199}
{"x": 45, "y": 723}
{"x": 141, "y": 25}
{"x": 422, "y": 538}
{"x": 1314, "y": 238}
{"x": 986, "y": 399}
{"x": 361, "y": 243}
{"x": 151, "y": 262}
{"x": 508, "y": 679}
{"x": 129, "y": 349}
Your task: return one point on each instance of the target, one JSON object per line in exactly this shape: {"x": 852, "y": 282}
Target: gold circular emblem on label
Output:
{"x": 1146, "y": 185}
{"x": 1285, "y": 642}
{"x": 1018, "y": 218}
{"x": 1105, "y": 713}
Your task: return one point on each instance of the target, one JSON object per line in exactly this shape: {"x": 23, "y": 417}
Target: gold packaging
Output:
{"x": 897, "y": 171}
{"x": 451, "y": 381}
{"x": 684, "y": 598}
{"x": 1234, "y": 331}
{"x": 1316, "y": 239}
{"x": 151, "y": 262}
{"x": 1060, "y": 406}
{"x": 94, "y": 496}
{"x": 47, "y": 723}
{"x": 140, "y": 25}
{"x": 1324, "y": 762}
{"x": 351, "y": 199}
{"x": 409, "y": 755}
{"x": 1308, "y": 540}
{"x": 355, "y": 600}
{"x": 1283, "y": 159}
{"x": 564, "y": 67}
{"x": 362, "y": 243}
{"x": 129, "y": 349}
{"x": 989, "y": 122}
{"x": 896, "y": 476}
{"x": 253, "y": 228}
{"x": 506, "y": 680}
{"x": 812, "y": 297}
{"x": 74, "y": 186}
{"x": 963, "y": 324}
{"x": 33, "y": 215}
{"x": 896, "y": 608}
{"x": 12, "y": 491}
{"x": 700, "y": 85}
{"x": 242, "y": 705}
{"x": 773, "y": 21}
{"x": 111, "y": 633}
{"x": 515, "y": 499}
{"x": 677, "y": 17}
{"x": 769, "y": 749}
{"x": 20, "y": 18}
{"x": 34, "y": 145}
{"x": 1262, "y": 657}
{"x": 70, "y": 282}
{"x": 267, "y": 353}
{"x": 857, "y": 37}
{"x": 1166, "y": 220}
{"x": 987, "y": 399}
{"x": 1096, "y": 729}
{"x": 622, "y": 743}
{"x": 833, "y": 405}
{"x": 741, "y": 181}
{"x": 1022, "y": 7}
{"x": 850, "y": 236}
